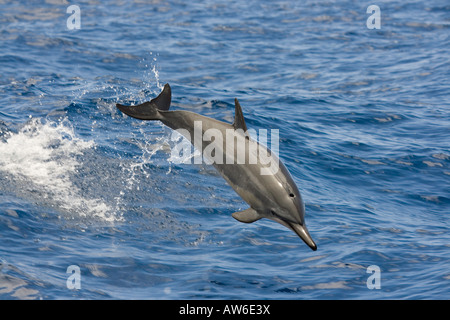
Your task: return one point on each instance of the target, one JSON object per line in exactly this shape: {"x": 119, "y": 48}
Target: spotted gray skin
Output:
{"x": 273, "y": 196}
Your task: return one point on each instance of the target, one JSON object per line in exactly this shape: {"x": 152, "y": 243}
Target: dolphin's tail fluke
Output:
{"x": 149, "y": 110}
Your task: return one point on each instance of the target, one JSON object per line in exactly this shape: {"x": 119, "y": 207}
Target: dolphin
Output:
{"x": 271, "y": 194}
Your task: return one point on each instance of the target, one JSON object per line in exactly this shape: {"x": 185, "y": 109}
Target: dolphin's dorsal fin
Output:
{"x": 162, "y": 101}
{"x": 239, "y": 122}
{"x": 247, "y": 216}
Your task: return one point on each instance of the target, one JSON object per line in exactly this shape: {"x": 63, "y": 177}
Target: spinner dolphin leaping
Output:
{"x": 273, "y": 196}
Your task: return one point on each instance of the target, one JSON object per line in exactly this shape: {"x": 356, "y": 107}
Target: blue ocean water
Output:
{"x": 364, "y": 122}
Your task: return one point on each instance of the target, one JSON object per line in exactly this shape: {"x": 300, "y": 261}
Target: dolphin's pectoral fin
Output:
{"x": 239, "y": 122}
{"x": 247, "y": 216}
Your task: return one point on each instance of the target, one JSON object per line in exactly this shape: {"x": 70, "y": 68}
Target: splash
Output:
{"x": 42, "y": 159}
{"x": 150, "y": 74}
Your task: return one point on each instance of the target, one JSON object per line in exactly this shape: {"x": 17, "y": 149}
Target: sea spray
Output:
{"x": 42, "y": 158}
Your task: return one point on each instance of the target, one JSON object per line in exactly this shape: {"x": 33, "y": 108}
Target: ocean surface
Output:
{"x": 93, "y": 205}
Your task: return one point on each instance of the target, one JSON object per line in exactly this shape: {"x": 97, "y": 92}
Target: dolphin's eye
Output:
{"x": 291, "y": 195}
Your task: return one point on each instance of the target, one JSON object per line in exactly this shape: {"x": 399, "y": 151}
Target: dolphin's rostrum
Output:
{"x": 274, "y": 196}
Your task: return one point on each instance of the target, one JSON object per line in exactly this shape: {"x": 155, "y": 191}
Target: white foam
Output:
{"x": 43, "y": 157}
